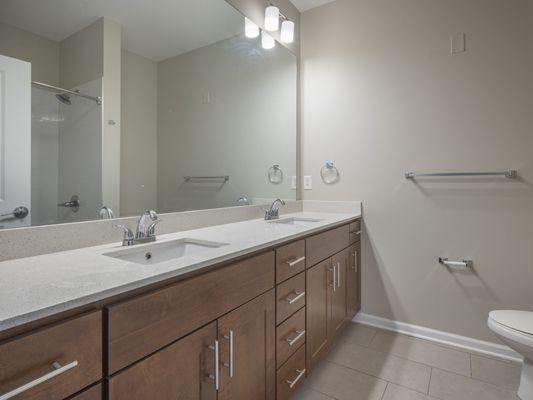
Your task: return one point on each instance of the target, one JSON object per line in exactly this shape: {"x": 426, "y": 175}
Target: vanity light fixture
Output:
{"x": 272, "y": 18}
{"x": 251, "y": 30}
{"x": 287, "y": 31}
{"x": 267, "y": 41}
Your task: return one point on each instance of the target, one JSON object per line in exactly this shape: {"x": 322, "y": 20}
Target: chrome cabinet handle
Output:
{"x": 299, "y": 335}
{"x": 292, "y": 300}
{"x": 216, "y": 376}
{"x": 230, "y": 364}
{"x": 58, "y": 370}
{"x": 338, "y": 275}
{"x": 298, "y": 377}
{"x": 292, "y": 263}
{"x": 334, "y": 284}
{"x": 355, "y": 232}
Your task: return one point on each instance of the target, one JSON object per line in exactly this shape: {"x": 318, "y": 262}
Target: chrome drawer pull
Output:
{"x": 58, "y": 370}
{"x": 295, "y": 380}
{"x": 292, "y": 300}
{"x": 292, "y": 263}
{"x": 299, "y": 335}
{"x": 230, "y": 364}
{"x": 216, "y": 376}
{"x": 355, "y": 232}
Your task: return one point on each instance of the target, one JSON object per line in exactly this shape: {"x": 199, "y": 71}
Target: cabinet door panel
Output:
{"x": 352, "y": 282}
{"x": 318, "y": 281}
{"x": 178, "y": 372}
{"x": 253, "y": 327}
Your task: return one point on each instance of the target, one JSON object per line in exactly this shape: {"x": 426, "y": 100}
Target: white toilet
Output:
{"x": 515, "y": 329}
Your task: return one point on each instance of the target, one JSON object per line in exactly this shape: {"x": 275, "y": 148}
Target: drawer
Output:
{"x": 141, "y": 326}
{"x": 290, "y": 260}
{"x": 93, "y": 393}
{"x": 290, "y": 335}
{"x": 355, "y": 231}
{"x": 290, "y": 297}
{"x": 324, "y": 245}
{"x": 291, "y": 376}
{"x": 73, "y": 346}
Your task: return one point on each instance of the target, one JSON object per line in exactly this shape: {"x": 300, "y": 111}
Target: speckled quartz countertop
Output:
{"x": 37, "y": 287}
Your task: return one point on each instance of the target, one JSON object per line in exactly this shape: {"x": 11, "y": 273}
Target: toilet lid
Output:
{"x": 521, "y": 321}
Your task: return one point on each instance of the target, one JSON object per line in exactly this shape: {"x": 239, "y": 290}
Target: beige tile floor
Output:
{"x": 372, "y": 364}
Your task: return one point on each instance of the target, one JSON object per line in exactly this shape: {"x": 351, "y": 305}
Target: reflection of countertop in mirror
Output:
{"x": 36, "y": 287}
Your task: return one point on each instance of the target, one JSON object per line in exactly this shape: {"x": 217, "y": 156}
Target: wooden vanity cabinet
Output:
{"x": 353, "y": 281}
{"x": 338, "y": 293}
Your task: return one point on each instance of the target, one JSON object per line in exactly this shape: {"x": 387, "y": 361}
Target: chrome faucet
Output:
{"x": 145, "y": 229}
{"x": 273, "y": 211}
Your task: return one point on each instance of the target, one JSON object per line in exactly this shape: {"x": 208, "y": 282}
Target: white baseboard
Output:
{"x": 463, "y": 342}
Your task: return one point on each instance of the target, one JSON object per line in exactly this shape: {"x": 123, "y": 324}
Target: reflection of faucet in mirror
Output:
{"x": 273, "y": 211}
{"x": 106, "y": 213}
{"x": 243, "y": 200}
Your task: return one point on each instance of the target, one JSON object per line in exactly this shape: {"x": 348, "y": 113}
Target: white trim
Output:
{"x": 433, "y": 335}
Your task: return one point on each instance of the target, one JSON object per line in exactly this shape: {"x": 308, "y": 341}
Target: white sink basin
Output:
{"x": 296, "y": 221}
{"x": 159, "y": 252}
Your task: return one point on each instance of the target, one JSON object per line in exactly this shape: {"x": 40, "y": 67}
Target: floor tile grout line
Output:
{"x": 385, "y": 390}
{"x": 318, "y": 391}
{"x": 430, "y": 376}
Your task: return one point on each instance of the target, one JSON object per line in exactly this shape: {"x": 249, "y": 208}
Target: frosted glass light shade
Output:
{"x": 272, "y": 18}
{"x": 287, "y": 32}
{"x": 251, "y": 30}
{"x": 267, "y": 41}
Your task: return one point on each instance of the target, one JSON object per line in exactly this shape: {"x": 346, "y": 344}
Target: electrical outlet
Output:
{"x": 293, "y": 182}
{"x": 308, "y": 182}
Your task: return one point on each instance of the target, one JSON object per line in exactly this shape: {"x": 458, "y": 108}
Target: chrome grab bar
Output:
{"x": 292, "y": 263}
{"x": 463, "y": 263}
{"x": 510, "y": 174}
{"x": 298, "y": 377}
{"x": 292, "y": 300}
{"x": 58, "y": 370}
{"x": 231, "y": 363}
{"x": 299, "y": 335}
{"x": 215, "y": 377}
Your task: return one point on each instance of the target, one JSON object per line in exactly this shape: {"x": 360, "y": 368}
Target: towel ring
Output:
{"x": 275, "y": 174}
{"x": 329, "y": 173}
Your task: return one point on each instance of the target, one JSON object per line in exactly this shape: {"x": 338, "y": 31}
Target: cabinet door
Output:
{"x": 339, "y": 263}
{"x": 247, "y": 338}
{"x": 319, "y": 281}
{"x": 352, "y": 282}
{"x": 178, "y": 372}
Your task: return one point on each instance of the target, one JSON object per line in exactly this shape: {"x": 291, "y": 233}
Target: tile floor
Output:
{"x": 372, "y": 364}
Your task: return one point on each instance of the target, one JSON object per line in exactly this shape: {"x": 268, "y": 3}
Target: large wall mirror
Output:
{"x": 111, "y": 107}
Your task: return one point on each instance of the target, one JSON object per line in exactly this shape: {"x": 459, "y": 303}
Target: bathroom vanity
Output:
{"x": 247, "y": 325}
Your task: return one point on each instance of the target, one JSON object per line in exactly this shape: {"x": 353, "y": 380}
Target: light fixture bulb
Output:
{"x": 267, "y": 41}
{"x": 251, "y": 30}
{"x": 272, "y": 18}
{"x": 287, "y": 31}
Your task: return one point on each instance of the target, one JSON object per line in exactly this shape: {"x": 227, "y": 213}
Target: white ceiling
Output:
{"x": 304, "y": 5}
{"x": 157, "y": 29}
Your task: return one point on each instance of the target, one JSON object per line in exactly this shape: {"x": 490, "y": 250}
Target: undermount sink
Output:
{"x": 160, "y": 252}
{"x": 296, "y": 221}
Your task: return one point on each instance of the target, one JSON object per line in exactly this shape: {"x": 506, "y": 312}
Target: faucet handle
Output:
{"x": 151, "y": 229}
{"x": 129, "y": 236}
{"x": 152, "y": 214}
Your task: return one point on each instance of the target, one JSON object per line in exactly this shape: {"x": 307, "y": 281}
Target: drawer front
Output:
{"x": 76, "y": 347}
{"x": 290, "y": 336}
{"x": 290, "y": 297}
{"x": 93, "y": 393}
{"x": 141, "y": 326}
{"x": 355, "y": 231}
{"x": 290, "y": 260}
{"x": 324, "y": 245}
{"x": 291, "y": 375}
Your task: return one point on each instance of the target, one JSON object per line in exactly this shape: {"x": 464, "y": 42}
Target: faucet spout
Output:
{"x": 273, "y": 211}
{"x": 146, "y": 226}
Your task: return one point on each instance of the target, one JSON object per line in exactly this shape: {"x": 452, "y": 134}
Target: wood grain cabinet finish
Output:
{"x": 325, "y": 244}
{"x": 290, "y": 297}
{"x": 353, "y": 292}
{"x": 290, "y": 335}
{"x": 93, "y": 393}
{"x": 253, "y": 329}
{"x": 179, "y": 371}
{"x": 337, "y": 297}
{"x": 355, "y": 231}
{"x": 141, "y": 326}
{"x": 75, "y": 342}
{"x": 291, "y": 375}
{"x": 290, "y": 260}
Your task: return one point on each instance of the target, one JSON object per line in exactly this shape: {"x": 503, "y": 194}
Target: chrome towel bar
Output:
{"x": 463, "y": 263}
{"x": 510, "y": 174}
{"x": 225, "y": 178}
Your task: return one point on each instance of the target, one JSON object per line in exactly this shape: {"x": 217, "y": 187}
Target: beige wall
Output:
{"x": 382, "y": 95}
{"x": 138, "y": 176}
{"x": 42, "y": 53}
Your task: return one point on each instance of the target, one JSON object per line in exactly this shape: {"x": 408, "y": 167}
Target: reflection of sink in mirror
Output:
{"x": 296, "y": 221}
{"x": 160, "y": 252}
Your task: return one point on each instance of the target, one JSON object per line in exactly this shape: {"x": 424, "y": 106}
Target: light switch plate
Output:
{"x": 293, "y": 182}
{"x": 308, "y": 182}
